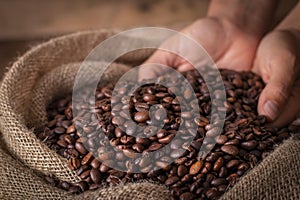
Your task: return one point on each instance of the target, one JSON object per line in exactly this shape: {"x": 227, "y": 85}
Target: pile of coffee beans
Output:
{"x": 167, "y": 154}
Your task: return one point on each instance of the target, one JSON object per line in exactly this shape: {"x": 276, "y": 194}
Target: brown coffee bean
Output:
{"x": 218, "y": 164}
{"x": 243, "y": 167}
{"x": 96, "y": 175}
{"x": 230, "y": 149}
{"x": 182, "y": 170}
{"x": 87, "y": 158}
{"x": 80, "y": 148}
{"x": 95, "y": 163}
{"x": 103, "y": 168}
{"x": 195, "y": 168}
{"x": 59, "y": 130}
{"x": 149, "y": 97}
{"x": 207, "y": 168}
{"x": 65, "y": 185}
{"x": 232, "y": 163}
{"x": 249, "y": 145}
{"x": 130, "y": 153}
{"x": 221, "y": 139}
{"x": 155, "y": 146}
{"x": 118, "y": 132}
{"x": 187, "y": 196}
{"x": 74, "y": 189}
{"x": 62, "y": 143}
{"x": 171, "y": 180}
{"x": 141, "y": 116}
{"x": 71, "y": 129}
{"x": 142, "y": 141}
{"x": 138, "y": 147}
{"x": 85, "y": 174}
{"x": 166, "y": 139}
{"x": 74, "y": 163}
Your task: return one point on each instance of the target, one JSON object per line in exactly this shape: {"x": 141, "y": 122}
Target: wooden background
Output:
{"x": 24, "y": 23}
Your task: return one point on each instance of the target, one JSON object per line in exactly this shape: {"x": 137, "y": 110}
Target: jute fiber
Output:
{"x": 47, "y": 72}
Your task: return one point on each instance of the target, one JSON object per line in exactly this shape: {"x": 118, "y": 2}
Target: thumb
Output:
{"x": 276, "y": 62}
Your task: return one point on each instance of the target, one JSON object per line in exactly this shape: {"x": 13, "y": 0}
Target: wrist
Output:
{"x": 253, "y": 17}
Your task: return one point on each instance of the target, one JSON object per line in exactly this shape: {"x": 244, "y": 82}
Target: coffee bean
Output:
{"x": 87, "y": 158}
{"x": 130, "y": 153}
{"x": 232, "y": 163}
{"x": 138, "y": 147}
{"x": 221, "y": 139}
{"x": 74, "y": 189}
{"x": 230, "y": 149}
{"x": 249, "y": 145}
{"x": 166, "y": 139}
{"x": 96, "y": 175}
{"x": 218, "y": 164}
{"x": 59, "y": 130}
{"x": 182, "y": 170}
{"x": 62, "y": 143}
{"x": 195, "y": 168}
{"x": 187, "y": 196}
{"x": 141, "y": 116}
{"x": 149, "y": 97}
{"x": 65, "y": 185}
{"x": 85, "y": 174}
{"x": 80, "y": 148}
{"x": 95, "y": 163}
{"x": 219, "y": 181}
{"x": 155, "y": 146}
{"x": 171, "y": 180}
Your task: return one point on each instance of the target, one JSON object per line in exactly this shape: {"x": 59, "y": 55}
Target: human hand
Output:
{"x": 228, "y": 45}
{"x": 277, "y": 62}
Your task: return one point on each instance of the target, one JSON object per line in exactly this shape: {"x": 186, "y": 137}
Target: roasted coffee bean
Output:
{"x": 74, "y": 189}
{"x": 187, "y": 196}
{"x": 141, "y": 116}
{"x": 182, "y": 170}
{"x": 167, "y": 139}
{"x": 83, "y": 185}
{"x": 219, "y": 181}
{"x": 87, "y": 158}
{"x": 80, "y": 148}
{"x": 249, "y": 145}
{"x": 218, "y": 164}
{"x": 59, "y": 130}
{"x": 96, "y": 175}
{"x": 195, "y": 168}
{"x": 230, "y": 149}
{"x": 171, "y": 180}
{"x": 95, "y": 163}
{"x": 149, "y": 97}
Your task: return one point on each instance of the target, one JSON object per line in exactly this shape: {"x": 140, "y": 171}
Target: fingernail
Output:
{"x": 271, "y": 109}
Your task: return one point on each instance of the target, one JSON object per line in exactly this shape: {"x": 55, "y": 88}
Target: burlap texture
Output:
{"x": 47, "y": 72}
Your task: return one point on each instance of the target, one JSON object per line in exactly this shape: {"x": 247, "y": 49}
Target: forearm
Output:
{"x": 292, "y": 21}
{"x": 252, "y": 16}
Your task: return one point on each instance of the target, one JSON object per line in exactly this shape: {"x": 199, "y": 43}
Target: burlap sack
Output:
{"x": 47, "y": 72}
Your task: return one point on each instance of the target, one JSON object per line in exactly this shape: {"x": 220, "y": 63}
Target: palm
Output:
{"x": 227, "y": 45}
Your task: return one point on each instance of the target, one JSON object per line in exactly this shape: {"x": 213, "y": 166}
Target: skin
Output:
{"x": 236, "y": 34}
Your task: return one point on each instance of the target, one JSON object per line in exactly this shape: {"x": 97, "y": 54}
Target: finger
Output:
{"x": 276, "y": 62}
{"x": 149, "y": 69}
{"x": 291, "y": 109}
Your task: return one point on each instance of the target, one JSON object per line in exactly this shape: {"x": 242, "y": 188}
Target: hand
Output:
{"x": 277, "y": 62}
{"x": 228, "y": 45}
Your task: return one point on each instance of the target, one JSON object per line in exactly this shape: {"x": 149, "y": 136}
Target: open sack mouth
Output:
{"x": 139, "y": 158}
